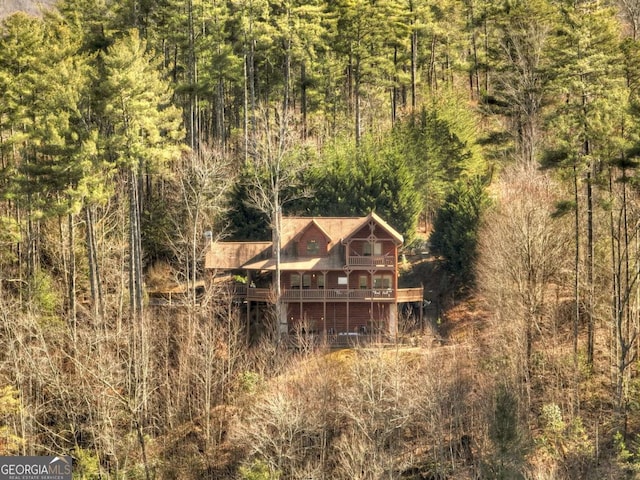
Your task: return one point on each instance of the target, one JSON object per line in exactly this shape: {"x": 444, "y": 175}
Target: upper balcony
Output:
{"x": 381, "y": 261}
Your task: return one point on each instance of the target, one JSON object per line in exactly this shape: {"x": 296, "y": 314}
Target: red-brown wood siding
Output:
{"x": 361, "y": 317}
{"x": 331, "y": 281}
{"x": 285, "y": 279}
{"x": 312, "y": 233}
{"x": 358, "y": 246}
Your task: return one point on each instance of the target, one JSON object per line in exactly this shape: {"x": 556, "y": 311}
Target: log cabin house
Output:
{"x": 338, "y": 274}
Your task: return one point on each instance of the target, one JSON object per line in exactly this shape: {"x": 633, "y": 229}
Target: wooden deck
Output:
{"x": 332, "y": 295}
{"x": 401, "y": 295}
{"x": 386, "y": 261}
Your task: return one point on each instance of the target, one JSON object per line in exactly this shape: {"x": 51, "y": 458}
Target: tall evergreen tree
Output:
{"x": 360, "y": 36}
{"x": 21, "y": 53}
{"x": 587, "y": 78}
{"x": 63, "y": 173}
{"x": 353, "y": 181}
{"x": 440, "y": 146}
{"x": 299, "y": 34}
{"x": 524, "y": 30}
{"x": 141, "y": 132}
{"x": 455, "y": 230}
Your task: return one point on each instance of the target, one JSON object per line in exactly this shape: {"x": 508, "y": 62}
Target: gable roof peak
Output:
{"x": 313, "y": 223}
{"x": 392, "y": 231}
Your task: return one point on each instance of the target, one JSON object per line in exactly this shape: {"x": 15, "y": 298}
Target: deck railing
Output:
{"x": 340, "y": 340}
{"x": 337, "y": 294}
{"x": 410, "y": 294}
{"x": 371, "y": 261}
{"x": 333, "y": 294}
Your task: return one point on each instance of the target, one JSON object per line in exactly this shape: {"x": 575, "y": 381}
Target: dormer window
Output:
{"x": 313, "y": 247}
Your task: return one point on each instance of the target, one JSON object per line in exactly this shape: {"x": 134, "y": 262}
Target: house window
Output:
{"x": 306, "y": 280}
{"x": 295, "y": 280}
{"x": 320, "y": 281}
{"x": 370, "y": 248}
{"x": 362, "y": 282}
{"x": 382, "y": 281}
{"x": 313, "y": 247}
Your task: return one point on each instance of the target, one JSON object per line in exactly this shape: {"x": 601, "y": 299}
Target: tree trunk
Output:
{"x": 194, "y": 256}
{"x": 97, "y": 307}
{"x": 433, "y": 81}
{"x": 576, "y": 265}
{"x": 356, "y": 101}
{"x": 220, "y": 117}
{"x": 615, "y": 274}
{"x": 590, "y": 260}
{"x": 394, "y": 89}
{"x": 245, "y": 71}
{"x": 252, "y": 85}
{"x": 303, "y": 98}
{"x": 576, "y": 289}
{"x": 276, "y": 238}
{"x": 191, "y": 77}
{"x": 71, "y": 272}
{"x": 135, "y": 248}
{"x": 414, "y": 59}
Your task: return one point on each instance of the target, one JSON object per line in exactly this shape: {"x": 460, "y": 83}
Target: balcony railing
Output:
{"x": 332, "y": 295}
{"x": 329, "y": 294}
{"x": 371, "y": 261}
{"x": 337, "y": 294}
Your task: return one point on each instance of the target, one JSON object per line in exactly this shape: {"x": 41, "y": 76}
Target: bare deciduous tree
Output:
{"x": 275, "y": 173}
{"x": 523, "y": 251}
{"x": 630, "y": 10}
{"x": 521, "y": 83}
{"x": 203, "y": 184}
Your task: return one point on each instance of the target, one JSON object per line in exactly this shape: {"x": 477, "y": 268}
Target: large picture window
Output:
{"x": 372, "y": 248}
{"x": 382, "y": 282}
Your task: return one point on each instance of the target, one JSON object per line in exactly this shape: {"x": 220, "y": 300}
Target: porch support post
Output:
{"x": 324, "y": 303}
{"x": 393, "y": 307}
{"x": 247, "y": 295}
{"x": 348, "y": 295}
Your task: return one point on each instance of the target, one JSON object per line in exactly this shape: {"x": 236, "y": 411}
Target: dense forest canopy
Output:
{"x": 509, "y": 129}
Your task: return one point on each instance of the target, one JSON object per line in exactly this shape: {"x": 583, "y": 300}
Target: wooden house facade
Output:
{"x": 338, "y": 275}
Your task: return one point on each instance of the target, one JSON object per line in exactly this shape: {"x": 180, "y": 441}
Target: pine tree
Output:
{"x": 440, "y": 145}
{"x": 353, "y": 181}
{"x": 506, "y": 436}
{"x": 298, "y": 35}
{"x": 21, "y": 51}
{"x": 455, "y": 230}
{"x": 524, "y": 30}
{"x": 361, "y": 32}
{"x": 141, "y": 133}
{"x": 588, "y": 80}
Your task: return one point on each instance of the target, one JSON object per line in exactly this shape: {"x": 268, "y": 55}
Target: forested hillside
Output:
{"x": 507, "y": 130}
